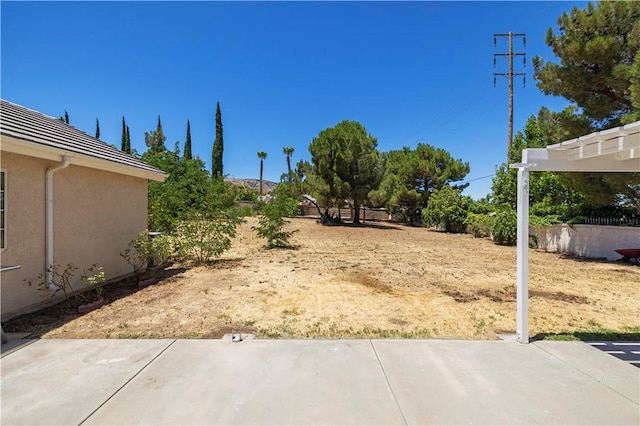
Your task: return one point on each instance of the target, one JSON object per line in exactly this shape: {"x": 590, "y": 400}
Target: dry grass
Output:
{"x": 371, "y": 281}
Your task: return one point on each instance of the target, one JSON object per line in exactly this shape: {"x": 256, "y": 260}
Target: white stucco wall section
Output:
{"x": 96, "y": 214}
{"x": 592, "y": 241}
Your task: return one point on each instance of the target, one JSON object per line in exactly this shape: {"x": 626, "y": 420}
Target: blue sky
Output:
{"x": 282, "y": 71}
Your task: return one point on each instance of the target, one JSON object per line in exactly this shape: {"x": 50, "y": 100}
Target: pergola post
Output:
{"x": 613, "y": 150}
{"x": 522, "y": 319}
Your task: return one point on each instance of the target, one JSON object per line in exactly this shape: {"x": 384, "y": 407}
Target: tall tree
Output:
{"x": 188, "y": 191}
{"x": 123, "y": 137}
{"x": 288, "y": 151}
{"x": 97, "y": 129}
{"x": 187, "y": 143}
{"x": 64, "y": 118}
{"x": 129, "y": 150}
{"x": 262, "y": 156}
{"x": 218, "y": 146}
{"x": 599, "y": 70}
{"x": 547, "y": 194}
{"x": 411, "y": 176}
{"x": 346, "y": 158}
{"x": 155, "y": 139}
{"x": 598, "y": 47}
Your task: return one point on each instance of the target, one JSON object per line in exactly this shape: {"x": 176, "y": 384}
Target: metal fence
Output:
{"x": 612, "y": 221}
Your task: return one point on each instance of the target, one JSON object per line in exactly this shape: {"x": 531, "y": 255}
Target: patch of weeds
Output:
{"x": 226, "y": 318}
{"x": 326, "y": 329}
{"x": 277, "y": 332}
{"x": 479, "y": 325}
{"x": 292, "y": 311}
{"x": 130, "y": 335}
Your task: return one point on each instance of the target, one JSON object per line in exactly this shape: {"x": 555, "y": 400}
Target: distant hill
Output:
{"x": 267, "y": 185}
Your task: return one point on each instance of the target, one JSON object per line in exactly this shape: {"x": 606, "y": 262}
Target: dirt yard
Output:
{"x": 379, "y": 280}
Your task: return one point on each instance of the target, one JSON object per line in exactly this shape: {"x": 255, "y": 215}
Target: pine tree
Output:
{"x": 218, "y": 146}
{"x": 187, "y": 143}
{"x": 155, "y": 139}
{"x": 97, "y": 129}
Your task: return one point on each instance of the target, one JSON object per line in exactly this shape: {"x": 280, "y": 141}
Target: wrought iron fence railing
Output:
{"x": 612, "y": 221}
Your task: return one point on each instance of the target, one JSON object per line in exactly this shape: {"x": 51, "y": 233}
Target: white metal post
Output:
{"x": 522, "y": 320}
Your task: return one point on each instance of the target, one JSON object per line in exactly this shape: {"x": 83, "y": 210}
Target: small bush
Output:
{"x": 61, "y": 280}
{"x": 146, "y": 250}
{"x": 504, "y": 230}
{"x": 247, "y": 211}
{"x": 479, "y": 225}
{"x": 203, "y": 236}
{"x": 447, "y": 209}
{"x": 272, "y": 222}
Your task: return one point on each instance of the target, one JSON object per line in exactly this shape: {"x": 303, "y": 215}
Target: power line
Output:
{"x": 478, "y": 178}
{"x": 510, "y": 76}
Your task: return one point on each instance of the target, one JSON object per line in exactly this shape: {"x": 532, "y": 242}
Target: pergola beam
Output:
{"x": 543, "y": 159}
{"x": 613, "y": 150}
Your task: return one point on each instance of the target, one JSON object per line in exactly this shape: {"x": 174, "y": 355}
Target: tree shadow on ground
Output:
{"x": 631, "y": 335}
{"x": 371, "y": 225}
{"x": 580, "y": 259}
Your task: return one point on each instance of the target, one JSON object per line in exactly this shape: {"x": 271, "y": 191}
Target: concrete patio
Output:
{"x": 117, "y": 382}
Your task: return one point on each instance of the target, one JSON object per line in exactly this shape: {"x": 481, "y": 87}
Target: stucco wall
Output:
{"x": 594, "y": 241}
{"x": 24, "y": 189}
{"x": 96, "y": 214}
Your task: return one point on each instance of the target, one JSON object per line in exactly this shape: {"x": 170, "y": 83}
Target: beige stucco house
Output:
{"x": 66, "y": 197}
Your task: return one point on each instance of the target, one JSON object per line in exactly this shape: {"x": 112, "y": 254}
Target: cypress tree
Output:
{"x": 187, "y": 143}
{"x": 64, "y": 118}
{"x": 97, "y": 129}
{"x": 218, "y": 146}
{"x": 123, "y": 138}
{"x": 128, "y": 141}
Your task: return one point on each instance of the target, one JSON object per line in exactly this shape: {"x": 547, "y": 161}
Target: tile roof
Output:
{"x": 32, "y": 126}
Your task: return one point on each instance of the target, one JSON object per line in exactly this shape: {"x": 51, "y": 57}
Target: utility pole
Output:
{"x": 510, "y": 76}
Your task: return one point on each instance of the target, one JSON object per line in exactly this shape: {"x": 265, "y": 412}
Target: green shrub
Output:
{"x": 202, "y": 236}
{"x": 479, "y": 225}
{"x": 447, "y": 210}
{"x": 272, "y": 222}
{"x": 543, "y": 221}
{"x": 504, "y": 230}
{"x": 247, "y": 211}
{"x": 146, "y": 250}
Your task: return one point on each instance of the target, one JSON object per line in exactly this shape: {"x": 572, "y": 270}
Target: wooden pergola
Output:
{"x": 612, "y": 150}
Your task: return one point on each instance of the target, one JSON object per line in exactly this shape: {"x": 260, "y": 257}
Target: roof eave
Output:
{"x": 31, "y": 149}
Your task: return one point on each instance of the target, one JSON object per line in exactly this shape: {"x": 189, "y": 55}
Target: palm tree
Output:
{"x": 261, "y": 155}
{"x": 288, "y": 151}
